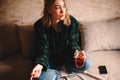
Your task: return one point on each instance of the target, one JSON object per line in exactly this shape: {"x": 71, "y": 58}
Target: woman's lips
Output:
{"x": 61, "y": 15}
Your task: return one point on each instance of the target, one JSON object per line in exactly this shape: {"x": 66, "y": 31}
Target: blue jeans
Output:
{"x": 52, "y": 74}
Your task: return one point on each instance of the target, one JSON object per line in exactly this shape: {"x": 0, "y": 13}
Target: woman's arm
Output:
{"x": 42, "y": 51}
{"x": 74, "y": 35}
{"x": 41, "y": 45}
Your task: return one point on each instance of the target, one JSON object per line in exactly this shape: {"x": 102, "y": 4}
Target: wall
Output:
{"x": 20, "y": 11}
{"x": 28, "y": 11}
{"x": 92, "y": 10}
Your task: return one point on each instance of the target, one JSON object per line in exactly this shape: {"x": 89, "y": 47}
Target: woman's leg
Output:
{"x": 50, "y": 74}
{"x": 73, "y": 68}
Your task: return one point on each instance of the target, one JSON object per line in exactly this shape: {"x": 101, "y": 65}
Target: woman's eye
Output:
{"x": 57, "y": 7}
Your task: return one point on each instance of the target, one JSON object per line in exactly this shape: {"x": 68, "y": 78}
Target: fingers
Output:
{"x": 84, "y": 54}
{"x": 80, "y": 54}
{"x": 35, "y": 73}
{"x": 39, "y": 72}
{"x": 76, "y": 54}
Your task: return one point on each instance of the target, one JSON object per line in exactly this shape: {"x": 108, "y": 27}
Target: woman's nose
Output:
{"x": 62, "y": 10}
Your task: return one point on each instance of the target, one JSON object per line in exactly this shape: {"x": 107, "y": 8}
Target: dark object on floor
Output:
{"x": 102, "y": 69}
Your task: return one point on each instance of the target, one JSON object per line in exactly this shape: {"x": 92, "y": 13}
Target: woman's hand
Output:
{"x": 80, "y": 58}
{"x": 80, "y": 54}
{"x": 36, "y": 71}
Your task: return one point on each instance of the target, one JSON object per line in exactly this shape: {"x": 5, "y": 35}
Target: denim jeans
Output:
{"x": 53, "y": 74}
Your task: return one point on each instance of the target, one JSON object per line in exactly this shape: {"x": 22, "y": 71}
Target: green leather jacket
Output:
{"x": 51, "y": 44}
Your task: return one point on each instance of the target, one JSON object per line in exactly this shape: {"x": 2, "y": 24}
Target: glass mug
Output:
{"x": 79, "y": 58}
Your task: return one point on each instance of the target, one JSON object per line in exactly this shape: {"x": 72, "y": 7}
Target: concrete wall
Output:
{"x": 92, "y": 10}
{"x": 28, "y": 11}
{"x": 20, "y": 11}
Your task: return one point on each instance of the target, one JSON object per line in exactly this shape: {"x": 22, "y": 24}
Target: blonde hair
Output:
{"x": 47, "y": 17}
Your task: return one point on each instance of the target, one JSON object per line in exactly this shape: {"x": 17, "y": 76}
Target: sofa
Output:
{"x": 100, "y": 40}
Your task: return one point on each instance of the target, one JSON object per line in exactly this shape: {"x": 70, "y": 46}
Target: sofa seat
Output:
{"x": 15, "y": 67}
{"x": 111, "y": 59}
{"x": 18, "y": 68}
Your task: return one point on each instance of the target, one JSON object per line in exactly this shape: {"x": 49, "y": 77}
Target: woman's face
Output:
{"x": 58, "y": 10}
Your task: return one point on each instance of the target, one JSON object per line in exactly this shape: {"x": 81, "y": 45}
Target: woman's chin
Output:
{"x": 62, "y": 18}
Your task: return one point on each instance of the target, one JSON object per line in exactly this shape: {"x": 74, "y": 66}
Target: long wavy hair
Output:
{"x": 47, "y": 17}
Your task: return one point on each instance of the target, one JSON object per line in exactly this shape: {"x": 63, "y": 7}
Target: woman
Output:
{"x": 57, "y": 38}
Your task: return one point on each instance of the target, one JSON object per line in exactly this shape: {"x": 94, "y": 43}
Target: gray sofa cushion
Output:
{"x": 15, "y": 68}
{"x": 102, "y": 35}
{"x": 111, "y": 59}
{"x": 26, "y": 36}
{"x": 9, "y": 41}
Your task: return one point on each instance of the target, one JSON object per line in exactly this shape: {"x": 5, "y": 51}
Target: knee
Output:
{"x": 73, "y": 68}
{"x": 50, "y": 74}
{"x": 88, "y": 63}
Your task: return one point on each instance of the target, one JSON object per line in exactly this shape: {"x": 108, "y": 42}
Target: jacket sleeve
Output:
{"x": 42, "y": 46}
{"x": 74, "y": 35}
